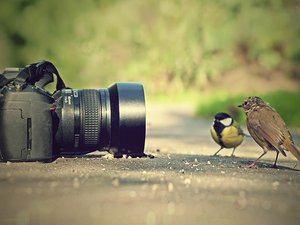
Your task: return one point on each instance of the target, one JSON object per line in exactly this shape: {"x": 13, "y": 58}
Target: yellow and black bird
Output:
{"x": 226, "y": 132}
{"x": 268, "y": 129}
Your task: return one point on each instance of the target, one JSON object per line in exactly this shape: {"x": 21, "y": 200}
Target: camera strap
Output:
{"x": 40, "y": 71}
{"x": 4, "y": 81}
{"x": 7, "y": 76}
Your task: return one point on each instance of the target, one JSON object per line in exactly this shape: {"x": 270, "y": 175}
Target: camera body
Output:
{"x": 38, "y": 126}
{"x": 27, "y": 126}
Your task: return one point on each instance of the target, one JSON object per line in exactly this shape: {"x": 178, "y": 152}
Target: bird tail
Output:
{"x": 241, "y": 132}
{"x": 294, "y": 150}
{"x": 246, "y": 135}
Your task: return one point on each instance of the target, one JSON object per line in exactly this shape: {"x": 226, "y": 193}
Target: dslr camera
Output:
{"x": 38, "y": 126}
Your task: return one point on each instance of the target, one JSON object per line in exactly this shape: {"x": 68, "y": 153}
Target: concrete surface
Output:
{"x": 183, "y": 184}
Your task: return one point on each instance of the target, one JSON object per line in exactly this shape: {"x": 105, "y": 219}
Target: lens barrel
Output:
{"x": 112, "y": 119}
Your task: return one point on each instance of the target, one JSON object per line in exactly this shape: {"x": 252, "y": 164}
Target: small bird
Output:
{"x": 268, "y": 129}
{"x": 226, "y": 132}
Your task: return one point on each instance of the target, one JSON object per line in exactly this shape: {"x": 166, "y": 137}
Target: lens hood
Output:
{"x": 128, "y": 118}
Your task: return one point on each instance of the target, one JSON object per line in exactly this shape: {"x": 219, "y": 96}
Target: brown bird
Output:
{"x": 268, "y": 129}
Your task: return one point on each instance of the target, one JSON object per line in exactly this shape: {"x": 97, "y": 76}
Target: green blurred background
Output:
{"x": 209, "y": 53}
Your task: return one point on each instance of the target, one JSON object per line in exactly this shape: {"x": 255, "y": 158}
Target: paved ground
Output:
{"x": 183, "y": 184}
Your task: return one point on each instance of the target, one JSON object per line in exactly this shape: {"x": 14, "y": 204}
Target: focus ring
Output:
{"x": 91, "y": 120}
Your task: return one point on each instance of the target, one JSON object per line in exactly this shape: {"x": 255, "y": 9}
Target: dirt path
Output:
{"x": 183, "y": 184}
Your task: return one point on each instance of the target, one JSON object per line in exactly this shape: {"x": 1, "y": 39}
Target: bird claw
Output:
{"x": 295, "y": 166}
{"x": 251, "y": 166}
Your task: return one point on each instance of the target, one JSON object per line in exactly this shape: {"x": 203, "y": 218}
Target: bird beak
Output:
{"x": 240, "y": 106}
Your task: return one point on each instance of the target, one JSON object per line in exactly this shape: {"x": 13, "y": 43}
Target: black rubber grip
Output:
{"x": 90, "y": 117}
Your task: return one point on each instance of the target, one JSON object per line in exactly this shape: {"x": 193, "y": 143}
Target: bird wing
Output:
{"x": 270, "y": 127}
{"x": 240, "y": 130}
{"x": 254, "y": 128}
{"x": 280, "y": 133}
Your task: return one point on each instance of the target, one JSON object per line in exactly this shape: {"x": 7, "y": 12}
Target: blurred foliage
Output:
{"x": 285, "y": 103}
{"x": 170, "y": 46}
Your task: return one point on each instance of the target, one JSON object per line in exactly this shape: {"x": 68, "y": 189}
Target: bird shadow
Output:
{"x": 267, "y": 165}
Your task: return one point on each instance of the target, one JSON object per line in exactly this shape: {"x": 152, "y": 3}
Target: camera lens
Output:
{"x": 112, "y": 119}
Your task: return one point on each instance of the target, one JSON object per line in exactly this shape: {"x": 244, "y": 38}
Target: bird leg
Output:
{"x": 218, "y": 151}
{"x": 252, "y": 165}
{"x": 232, "y": 154}
{"x": 277, "y": 153}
